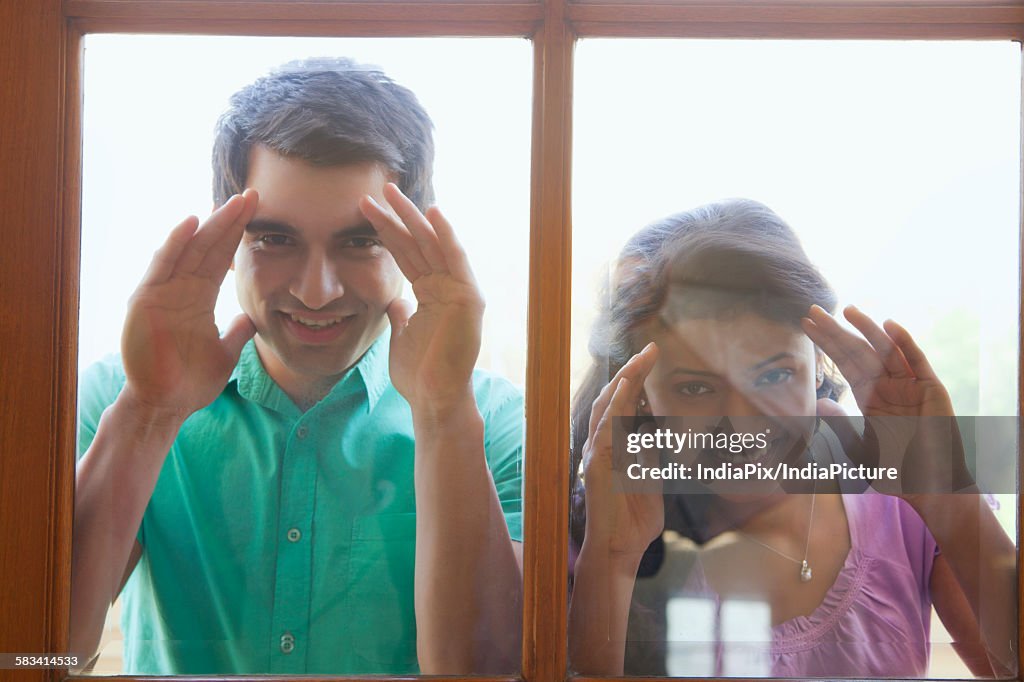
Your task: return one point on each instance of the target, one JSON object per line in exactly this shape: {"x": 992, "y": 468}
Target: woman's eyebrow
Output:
{"x": 698, "y": 372}
{"x": 774, "y": 358}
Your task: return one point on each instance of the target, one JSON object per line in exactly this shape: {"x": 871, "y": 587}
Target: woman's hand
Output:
{"x": 623, "y": 522}
{"x": 908, "y": 412}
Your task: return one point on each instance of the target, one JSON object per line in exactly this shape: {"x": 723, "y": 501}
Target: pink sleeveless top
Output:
{"x": 874, "y": 620}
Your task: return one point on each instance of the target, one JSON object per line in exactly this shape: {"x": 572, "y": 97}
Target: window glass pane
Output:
{"x": 282, "y": 535}
{"x": 896, "y": 164}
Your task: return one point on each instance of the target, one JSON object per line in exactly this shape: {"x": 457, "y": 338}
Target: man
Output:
{"x": 310, "y": 492}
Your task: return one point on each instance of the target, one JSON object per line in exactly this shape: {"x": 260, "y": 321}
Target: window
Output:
{"x": 473, "y": 89}
{"x": 41, "y": 123}
{"x": 878, "y": 155}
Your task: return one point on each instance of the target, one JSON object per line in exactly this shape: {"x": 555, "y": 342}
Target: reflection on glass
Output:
{"x": 273, "y": 492}
{"x": 693, "y": 560}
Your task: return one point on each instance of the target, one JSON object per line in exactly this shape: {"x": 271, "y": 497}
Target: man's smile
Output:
{"x": 313, "y": 328}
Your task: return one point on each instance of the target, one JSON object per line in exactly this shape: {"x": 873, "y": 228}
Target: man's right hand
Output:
{"x": 175, "y": 361}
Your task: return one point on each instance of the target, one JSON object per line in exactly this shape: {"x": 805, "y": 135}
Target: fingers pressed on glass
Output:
{"x": 418, "y": 226}
{"x": 454, "y": 254}
{"x": 915, "y": 357}
{"x": 637, "y": 367}
{"x": 396, "y": 238}
{"x": 166, "y": 257}
{"x": 218, "y": 257}
{"x": 208, "y": 234}
{"x": 889, "y": 353}
{"x": 853, "y": 355}
{"x": 616, "y": 407}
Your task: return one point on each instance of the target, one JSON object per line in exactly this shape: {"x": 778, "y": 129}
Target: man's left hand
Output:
{"x": 435, "y": 345}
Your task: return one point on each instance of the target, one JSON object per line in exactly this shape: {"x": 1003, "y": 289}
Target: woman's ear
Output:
{"x": 643, "y": 406}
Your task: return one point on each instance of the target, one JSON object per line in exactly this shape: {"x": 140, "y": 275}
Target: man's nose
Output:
{"x": 317, "y": 283}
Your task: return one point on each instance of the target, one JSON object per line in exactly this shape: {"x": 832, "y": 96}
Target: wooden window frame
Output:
{"x": 40, "y": 177}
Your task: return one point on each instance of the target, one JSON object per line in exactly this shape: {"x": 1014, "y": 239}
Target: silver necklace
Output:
{"x": 805, "y": 569}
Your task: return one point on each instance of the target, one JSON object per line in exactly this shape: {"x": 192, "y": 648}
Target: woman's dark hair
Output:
{"x": 328, "y": 112}
{"x": 727, "y": 257}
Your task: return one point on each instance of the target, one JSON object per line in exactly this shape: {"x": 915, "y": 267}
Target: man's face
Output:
{"x": 310, "y": 270}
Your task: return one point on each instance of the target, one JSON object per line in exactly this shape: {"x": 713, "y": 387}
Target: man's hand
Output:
{"x": 174, "y": 359}
{"x": 434, "y": 349}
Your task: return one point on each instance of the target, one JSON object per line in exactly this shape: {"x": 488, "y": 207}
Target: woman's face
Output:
{"x": 757, "y": 372}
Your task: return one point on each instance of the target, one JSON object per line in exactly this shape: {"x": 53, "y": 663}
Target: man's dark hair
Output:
{"x": 328, "y": 112}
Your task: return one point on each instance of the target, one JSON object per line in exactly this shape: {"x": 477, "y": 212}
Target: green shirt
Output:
{"x": 278, "y": 541}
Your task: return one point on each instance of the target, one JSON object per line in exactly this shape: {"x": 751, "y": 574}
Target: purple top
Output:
{"x": 874, "y": 620}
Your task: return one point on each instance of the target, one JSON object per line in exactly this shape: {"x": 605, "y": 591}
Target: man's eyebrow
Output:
{"x": 258, "y": 226}
{"x": 361, "y": 230}
{"x": 264, "y": 225}
{"x": 774, "y": 358}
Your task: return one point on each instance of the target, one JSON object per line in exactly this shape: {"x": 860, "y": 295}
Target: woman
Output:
{"x": 718, "y": 312}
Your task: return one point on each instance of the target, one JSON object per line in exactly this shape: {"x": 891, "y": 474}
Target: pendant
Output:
{"x": 805, "y": 572}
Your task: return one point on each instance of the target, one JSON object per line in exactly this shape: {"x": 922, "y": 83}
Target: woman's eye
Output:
{"x": 774, "y": 376}
{"x": 274, "y": 240}
{"x": 691, "y": 389}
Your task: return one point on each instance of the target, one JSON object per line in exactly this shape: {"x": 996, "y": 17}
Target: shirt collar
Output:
{"x": 373, "y": 368}
{"x": 255, "y": 384}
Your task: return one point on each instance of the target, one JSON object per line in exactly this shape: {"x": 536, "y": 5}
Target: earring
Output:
{"x": 642, "y": 404}
{"x": 820, "y": 375}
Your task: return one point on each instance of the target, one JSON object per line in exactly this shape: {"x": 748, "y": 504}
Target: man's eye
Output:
{"x": 361, "y": 242}
{"x": 692, "y": 389}
{"x": 274, "y": 240}
{"x": 774, "y": 376}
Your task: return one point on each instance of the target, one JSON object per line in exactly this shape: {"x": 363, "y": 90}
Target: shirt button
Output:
{"x": 302, "y": 432}
{"x": 287, "y": 643}
{"x": 294, "y": 535}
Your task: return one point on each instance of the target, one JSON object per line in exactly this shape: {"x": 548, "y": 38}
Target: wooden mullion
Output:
{"x": 428, "y": 11}
{"x": 348, "y": 19}
{"x": 547, "y": 387}
{"x": 821, "y": 20}
{"x": 66, "y": 283}
{"x": 33, "y": 362}
{"x": 1020, "y": 396}
{"x": 824, "y": 13}
{"x": 338, "y": 29}
{"x": 799, "y": 31}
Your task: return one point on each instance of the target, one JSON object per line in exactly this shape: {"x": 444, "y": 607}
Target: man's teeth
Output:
{"x": 316, "y": 324}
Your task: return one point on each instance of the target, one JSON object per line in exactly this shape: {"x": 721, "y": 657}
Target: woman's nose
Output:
{"x": 317, "y": 283}
{"x": 739, "y": 404}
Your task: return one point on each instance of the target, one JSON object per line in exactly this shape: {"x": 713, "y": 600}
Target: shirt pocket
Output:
{"x": 381, "y": 576}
